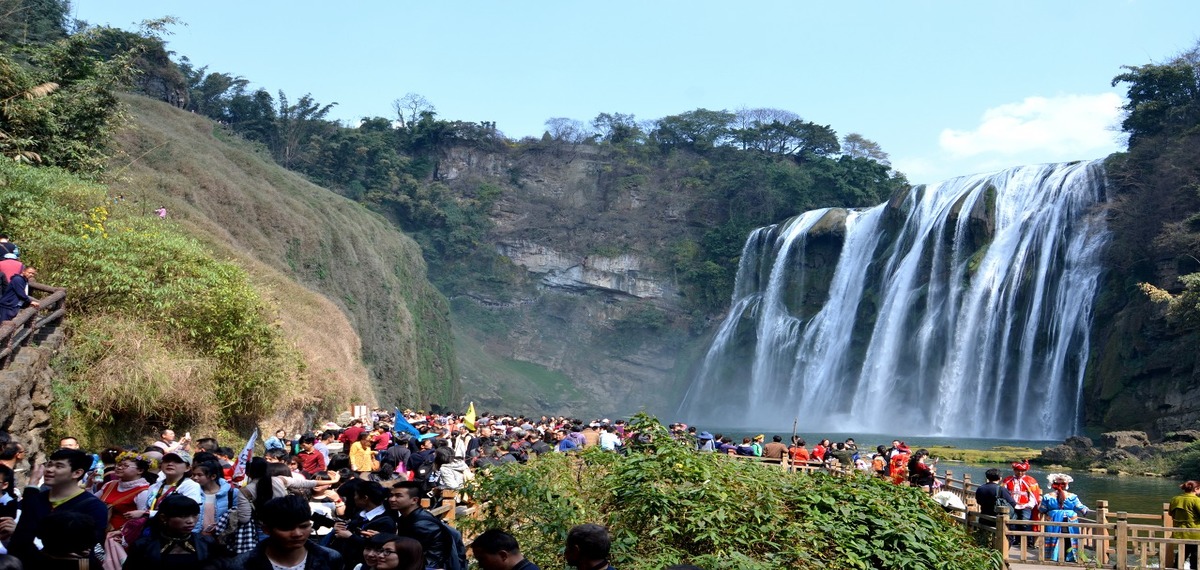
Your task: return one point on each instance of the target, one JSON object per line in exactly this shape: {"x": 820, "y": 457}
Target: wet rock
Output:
{"x": 1059, "y": 454}
{"x": 1124, "y": 439}
{"x": 1186, "y": 436}
{"x": 1079, "y": 442}
{"x": 1115, "y": 456}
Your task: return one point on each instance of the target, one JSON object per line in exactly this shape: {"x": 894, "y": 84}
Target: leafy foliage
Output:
{"x": 69, "y": 126}
{"x": 143, "y": 272}
{"x": 666, "y": 504}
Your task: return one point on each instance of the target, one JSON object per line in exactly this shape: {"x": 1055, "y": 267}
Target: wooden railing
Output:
{"x": 16, "y": 333}
{"x": 1105, "y": 539}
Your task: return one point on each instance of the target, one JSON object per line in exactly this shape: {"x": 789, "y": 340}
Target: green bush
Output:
{"x": 666, "y": 504}
{"x": 142, "y": 268}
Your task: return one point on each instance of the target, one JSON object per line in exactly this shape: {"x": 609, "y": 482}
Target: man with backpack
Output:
{"x": 443, "y": 545}
{"x": 991, "y": 493}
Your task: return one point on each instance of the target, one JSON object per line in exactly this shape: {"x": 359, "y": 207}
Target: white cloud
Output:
{"x": 1057, "y": 128}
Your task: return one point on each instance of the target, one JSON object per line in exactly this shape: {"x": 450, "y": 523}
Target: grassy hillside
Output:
{"x": 233, "y": 194}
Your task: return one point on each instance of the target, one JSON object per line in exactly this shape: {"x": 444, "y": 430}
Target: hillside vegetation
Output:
{"x": 223, "y": 188}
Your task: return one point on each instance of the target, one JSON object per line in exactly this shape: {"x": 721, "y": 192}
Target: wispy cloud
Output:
{"x": 1056, "y": 128}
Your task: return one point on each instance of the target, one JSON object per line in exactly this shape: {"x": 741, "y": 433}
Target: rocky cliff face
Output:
{"x": 595, "y": 307}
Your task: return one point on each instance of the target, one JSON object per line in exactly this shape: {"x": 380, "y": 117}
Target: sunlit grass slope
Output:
{"x": 232, "y": 195}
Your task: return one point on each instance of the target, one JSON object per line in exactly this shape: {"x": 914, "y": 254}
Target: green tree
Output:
{"x": 855, "y": 145}
{"x": 700, "y": 129}
{"x": 617, "y": 128}
{"x": 24, "y": 22}
{"x": 1161, "y": 97}
{"x": 296, "y": 124}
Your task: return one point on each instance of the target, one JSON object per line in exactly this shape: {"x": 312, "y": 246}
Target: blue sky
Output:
{"x": 946, "y": 88}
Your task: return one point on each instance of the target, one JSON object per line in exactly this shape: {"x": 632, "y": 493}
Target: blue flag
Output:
{"x": 403, "y": 425}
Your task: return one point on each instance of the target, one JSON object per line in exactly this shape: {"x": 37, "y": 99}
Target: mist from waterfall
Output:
{"x": 961, "y": 308}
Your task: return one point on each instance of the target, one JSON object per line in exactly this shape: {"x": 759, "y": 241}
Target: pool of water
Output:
{"x": 1129, "y": 493}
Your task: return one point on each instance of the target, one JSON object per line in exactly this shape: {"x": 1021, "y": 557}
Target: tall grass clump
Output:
{"x": 163, "y": 331}
{"x": 666, "y": 504}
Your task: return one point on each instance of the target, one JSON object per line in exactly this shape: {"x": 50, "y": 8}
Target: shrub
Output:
{"x": 135, "y": 279}
{"x": 666, "y": 504}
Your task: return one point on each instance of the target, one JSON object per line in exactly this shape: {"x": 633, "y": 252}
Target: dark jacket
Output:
{"x": 987, "y": 494}
{"x": 352, "y": 548}
{"x": 423, "y": 527}
{"x": 35, "y": 506}
{"x": 319, "y": 558}
{"x": 147, "y": 553}
{"x": 14, "y": 296}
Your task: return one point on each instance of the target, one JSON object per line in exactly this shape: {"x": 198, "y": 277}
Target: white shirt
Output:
{"x": 609, "y": 441}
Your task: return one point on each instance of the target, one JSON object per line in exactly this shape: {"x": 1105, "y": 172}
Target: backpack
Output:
{"x": 426, "y": 475}
{"x": 458, "y": 549}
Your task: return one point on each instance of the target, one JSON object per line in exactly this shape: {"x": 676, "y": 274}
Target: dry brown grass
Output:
{"x": 334, "y": 272}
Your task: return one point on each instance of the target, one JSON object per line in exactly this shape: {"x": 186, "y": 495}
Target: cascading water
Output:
{"x": 961, "y": 308}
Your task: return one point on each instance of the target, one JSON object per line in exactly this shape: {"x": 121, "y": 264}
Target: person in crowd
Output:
{"x": 309, "y": 459}
{"x": 8, "y": 493}
{"x": 391, "y": 552}
{"x": 121, "y": 494}
{"x": 10, "y": 266}
{"x": 61, "y": 493}
{"x": 362, "y": 459}
{"x": 322, "y": 444}
{"x": 349, "y": 537}
{"x": 1027, "y": 495}
{"x": 11, "y": 456}
{"x": 68, "y": 540}
{"x": 350, "y": 434}
{"x": 1061, "y": 506}
{"x": 381, "y": 438}
{"x": 820, "y": 450}
{"x": 270, "y": 481}
{"x": 591, "y": 434}
{"x": 218, "y": 505}
{"x": 174, "y": 479}
{"x": 277, "y": 441}
{"x": 167, "y": 444}
{"x": 68, "y": 443}
{"x": 775, "y": 450}
{"x": 276, "y": 455}
{"x": 920, "y": 470}
{"x": 705, "y": 442}
{"x": 843, "y": 455}
{"x": 417, "y": 523}
{"x": 879, "y": 462}
{"x": 798, "y": 451}
{"x": 565, "y": 444}
{"x": 453, "y": 472}
{"x": 16, "y": 296}
{"x": 539, "y": 446}
{"x": 7, "y": 247}
{"x": 495, "y": 549}
{"x": 588, "y": 547}
{"x": 1185, "y": 513}
{"x": 756, "y": 444}
{"x": 172, "y": 541}
{"x": 898, "y": 464}
{"x": 746, "y": 448}
{"x": 990, "y": 493}
{"x": 287, "y": 524}
{"x": 608, "y": 439}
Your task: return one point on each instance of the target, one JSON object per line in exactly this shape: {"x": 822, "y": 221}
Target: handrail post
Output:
{"x": 1102, "y": 518}
{"x": 966, "y": 483}
{"x": 1121, "y": 540}
{"x": 1001, "y": 542}
{"x": 448, "y": 496}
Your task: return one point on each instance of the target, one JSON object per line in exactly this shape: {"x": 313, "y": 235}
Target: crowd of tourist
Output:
{"x": 351, "y": 497}
{"x": 14, "y": 281}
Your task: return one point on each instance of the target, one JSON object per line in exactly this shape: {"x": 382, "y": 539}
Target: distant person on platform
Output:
{"x": 16, "y": 295}
{"x": 162, "y": 212}
{"x": 10, "y": 265}
{"x": 989, "y": 493}
{"x": 1027, "y": 495}
{"x": 775, "y": 450}
{"x": 8, "y": 246}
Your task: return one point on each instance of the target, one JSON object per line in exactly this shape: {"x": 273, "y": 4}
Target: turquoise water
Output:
{"x": 1133, "y": 494}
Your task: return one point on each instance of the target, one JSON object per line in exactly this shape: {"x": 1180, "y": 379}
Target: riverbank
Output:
{"x": 1177, "y": 454}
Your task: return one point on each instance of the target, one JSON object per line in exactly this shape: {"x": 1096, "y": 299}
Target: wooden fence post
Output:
{"x": 448, "y": 500}
{"x": 1121, "y": 540}
{"x": 1102, "y": 518}
{"x": 1001, "y": 542}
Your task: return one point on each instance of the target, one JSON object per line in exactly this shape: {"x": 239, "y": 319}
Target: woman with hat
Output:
{"x": 1061, "y": 506}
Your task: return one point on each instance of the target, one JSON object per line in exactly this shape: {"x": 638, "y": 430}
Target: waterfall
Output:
{"x": 961, "y": 308}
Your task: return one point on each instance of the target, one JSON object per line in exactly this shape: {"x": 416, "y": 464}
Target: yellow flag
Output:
{"x": 469, "y": 419}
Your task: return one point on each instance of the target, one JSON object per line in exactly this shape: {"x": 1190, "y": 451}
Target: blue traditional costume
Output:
{"x": 1060, "y": 506}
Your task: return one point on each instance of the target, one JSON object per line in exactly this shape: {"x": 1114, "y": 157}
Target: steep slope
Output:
{"x": 235, "y": 195}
